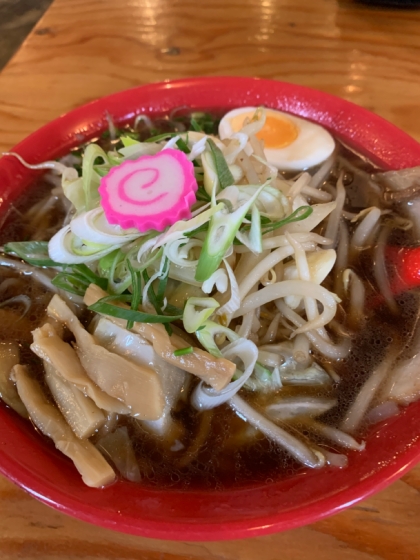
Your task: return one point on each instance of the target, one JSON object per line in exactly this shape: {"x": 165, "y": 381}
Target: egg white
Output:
{"x": 312, "y": 146}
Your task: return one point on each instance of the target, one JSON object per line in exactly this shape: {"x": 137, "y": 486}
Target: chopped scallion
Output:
{"x": 85, "y": 272}
{"x": 32, "y": 252}
{"x": 184, "y": 351}
{"x": 136, "y": 290}
{"x": 163, "y": 280}
{"x": 70, "y": 283}
{"x": 160, "y": 137}
{"x": 195, "y": 126}
{"x": 183, "y": 146}
{"x": 157, "y": 299}
{"x": 299, "y": 214}
{"x": 102, "y": 306}
{"x": 222, "y": 169}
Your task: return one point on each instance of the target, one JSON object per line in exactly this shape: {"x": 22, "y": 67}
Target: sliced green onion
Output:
{"x": 77, "y": 278}
{"x": 202, "y": 195}
{"x": 195, "y": 126}
{"x": 73, "y": 191}
{"x": 184, "y": 351}
{"x": 205, "y": 121}
{"x": 151, "y": 294}
{"x": 206, "y": 333}
{"x": 193, "y": 319}
{"x": 210, "y": 179}
{"x": 150, "y": 259}
{"x": 262, "y": 373}
{"x": 114, "y": 267}
{"x": 200, "y": 229}
{"x": 222, "y": 231}
{"x": 253, "y": 239}
{"x": 160, "y": 137}
{"x": 222, "y": 169}
{"x": 227, "y": 203}
{"x": 183, "y": 146}
{"x": 157, "y": 300}
{"x": 128, "y": 141}
{"x": 83, "y": 248}
{"x": 163, "y": 281}
{"x": 136, "y": 291}
{"x": 263, "y": 379}
{"x": 173, "y": 310}
{"x": 101, "y": 170}
{"x": 85, "y": 272}
{"x": 102, "y": 306}
{"x": 120, "y": 298}
{"x": 70, "y": 283}
{"x": 299, "y": 214}
{"x": 115, "y": 159}
{"x": 181, "y": 227}
{"x": 90, "y": 177}
{"x": 33, "y": 252}
{"x": 105, "y": 263}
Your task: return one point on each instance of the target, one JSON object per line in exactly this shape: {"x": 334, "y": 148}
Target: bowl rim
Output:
{"x": 384, "y": 143}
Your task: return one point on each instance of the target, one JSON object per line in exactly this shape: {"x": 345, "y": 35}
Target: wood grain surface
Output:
{"x": 84, "y": 49}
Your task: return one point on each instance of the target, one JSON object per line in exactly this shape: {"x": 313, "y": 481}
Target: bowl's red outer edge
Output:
{"x": 381, "y": 141}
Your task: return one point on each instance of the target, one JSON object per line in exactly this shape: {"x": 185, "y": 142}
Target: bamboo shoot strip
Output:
{"x": 217, "y": 372}
{"x": 88, "y": 461}
{"x": 135, "y": 386}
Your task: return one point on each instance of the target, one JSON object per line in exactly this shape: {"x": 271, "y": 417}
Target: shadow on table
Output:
{"x": 17, "y": 18}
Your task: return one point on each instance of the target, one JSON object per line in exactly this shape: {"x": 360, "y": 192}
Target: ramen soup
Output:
{"x": 206, "y": 302}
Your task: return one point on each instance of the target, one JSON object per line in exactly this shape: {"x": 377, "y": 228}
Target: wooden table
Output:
{"x": 84, "y": 49}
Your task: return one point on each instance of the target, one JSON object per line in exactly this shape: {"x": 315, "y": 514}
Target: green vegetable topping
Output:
{"x": 184, "y": 351}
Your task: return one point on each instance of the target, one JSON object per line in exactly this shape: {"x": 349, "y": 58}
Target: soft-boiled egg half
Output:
{"x": 290, "y": 143}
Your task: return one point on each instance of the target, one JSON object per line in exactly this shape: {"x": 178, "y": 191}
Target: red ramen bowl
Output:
{"x": 392, "y": 448}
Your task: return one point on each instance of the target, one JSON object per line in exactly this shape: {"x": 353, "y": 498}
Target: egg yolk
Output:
{"x": 277, "y": 132}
